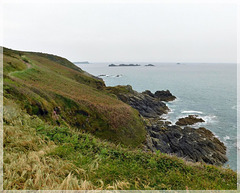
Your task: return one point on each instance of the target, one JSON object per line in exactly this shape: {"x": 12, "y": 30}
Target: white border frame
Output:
{"x": 235, "y": 2}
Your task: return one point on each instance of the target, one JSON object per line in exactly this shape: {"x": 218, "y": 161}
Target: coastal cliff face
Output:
{"x": 197, "y": 145}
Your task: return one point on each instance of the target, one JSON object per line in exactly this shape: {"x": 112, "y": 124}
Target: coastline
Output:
{"x": 83, "y": 119}
{"x": 192, "y": 144}
{"x": 192, "y": 94}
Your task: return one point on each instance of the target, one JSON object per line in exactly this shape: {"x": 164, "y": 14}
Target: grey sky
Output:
{"x": 143, "y": 32}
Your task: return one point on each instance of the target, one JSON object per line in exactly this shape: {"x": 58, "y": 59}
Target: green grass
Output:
{"x": 41, "y": 156}
{"x": 95, "y": 143}
{"x": 140, "y": 169}
{"x": 44, "y": 82}
{"x": 119, "y": 89}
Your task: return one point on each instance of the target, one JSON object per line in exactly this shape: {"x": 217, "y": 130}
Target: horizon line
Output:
{"x": 155, "y": 62}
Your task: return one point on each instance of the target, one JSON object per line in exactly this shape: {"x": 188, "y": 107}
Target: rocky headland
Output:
{"x": 197, "y": 145}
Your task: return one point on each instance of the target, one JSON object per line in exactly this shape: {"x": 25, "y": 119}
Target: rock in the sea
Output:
{"x": 161, "y": 95}
{"x": 164, "y": 95}
{"x": 149, "y": 65}
{"x": 190, "y": 120}
{"x": 197, "y": 145}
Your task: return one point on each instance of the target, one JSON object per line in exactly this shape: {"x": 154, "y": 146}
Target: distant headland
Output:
{"x": 121, "y": 65}
{"x": 84, "y": 62}
{"x": 115, "y": 65}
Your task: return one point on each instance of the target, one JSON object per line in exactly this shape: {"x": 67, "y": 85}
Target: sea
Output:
{"x": 208, "y": 90}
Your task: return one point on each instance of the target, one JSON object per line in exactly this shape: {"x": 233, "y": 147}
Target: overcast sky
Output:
{"x": 127, "y": 32}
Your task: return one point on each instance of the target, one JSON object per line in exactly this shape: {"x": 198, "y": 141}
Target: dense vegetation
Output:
{"x": 64, "y": 130}
{"x": 40, "y": 83}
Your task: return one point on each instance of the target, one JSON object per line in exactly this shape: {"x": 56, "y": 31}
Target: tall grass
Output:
{"x": 42, "y": 156}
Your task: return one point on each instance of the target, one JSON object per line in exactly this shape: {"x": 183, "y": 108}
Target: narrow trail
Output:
{"x": 28, "y": 67}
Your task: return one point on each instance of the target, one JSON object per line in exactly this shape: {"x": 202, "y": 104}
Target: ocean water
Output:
{"x": 208, "y": 90}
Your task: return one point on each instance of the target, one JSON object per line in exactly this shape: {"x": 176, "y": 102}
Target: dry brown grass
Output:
{"x": 31, "y": 162}
{"x": 51, "y": 77}
{"x": 27, "y": 164}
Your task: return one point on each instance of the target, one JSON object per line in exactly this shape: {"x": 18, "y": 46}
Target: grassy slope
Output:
{"x": 40, "y": 82}
{"x": 40, "y": 155}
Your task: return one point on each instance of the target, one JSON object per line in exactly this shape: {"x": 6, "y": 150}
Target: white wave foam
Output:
{"x": 226, "y": 138}
{"x": 192, "y": 112}
{"x": 165, "y": 116}
{"x": 112, "y": 76}
{"x": 103, "y": 75}
{"x": 209, "y": 119}
{"x": 234, "y": 107}
{"x": 171, "y": 110}
{"x": 174, "y": 101}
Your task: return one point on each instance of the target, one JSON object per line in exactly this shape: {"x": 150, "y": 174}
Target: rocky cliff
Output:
{"x": 197, "y": 145}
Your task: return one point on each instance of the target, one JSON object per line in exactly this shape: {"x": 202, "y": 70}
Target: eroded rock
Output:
{"x": 197, "y": 145}
{"x": 146, "y": 102}
{"x": 192, "y": 144}
{"x": 190, "y": 120}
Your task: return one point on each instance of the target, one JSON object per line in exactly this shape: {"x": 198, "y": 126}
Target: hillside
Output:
{"x": 41, "y": 83}
{"x": 63, "y": 129}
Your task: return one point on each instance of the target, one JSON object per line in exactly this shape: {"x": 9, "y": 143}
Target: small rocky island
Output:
{"x": 197, "y": 145}
{"x": 149, "y": 65}
{"x": 122, "y": 65}
{"x": 83, "y": 62}
{"x": 190, "y": 120}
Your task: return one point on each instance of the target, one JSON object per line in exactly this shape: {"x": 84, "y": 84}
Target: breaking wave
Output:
{"x": 192, "y": 112}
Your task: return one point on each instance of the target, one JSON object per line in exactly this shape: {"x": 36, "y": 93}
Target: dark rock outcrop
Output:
{"x": 197, "y": 145}
{"x": 192, "y": 144}
{"x": 164, "y": 95}
{"x": 146, "y": 102}
{"x": 190, "y": 120}
{"x": 161, "y": 95}
{"x": 149, "y": 65}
